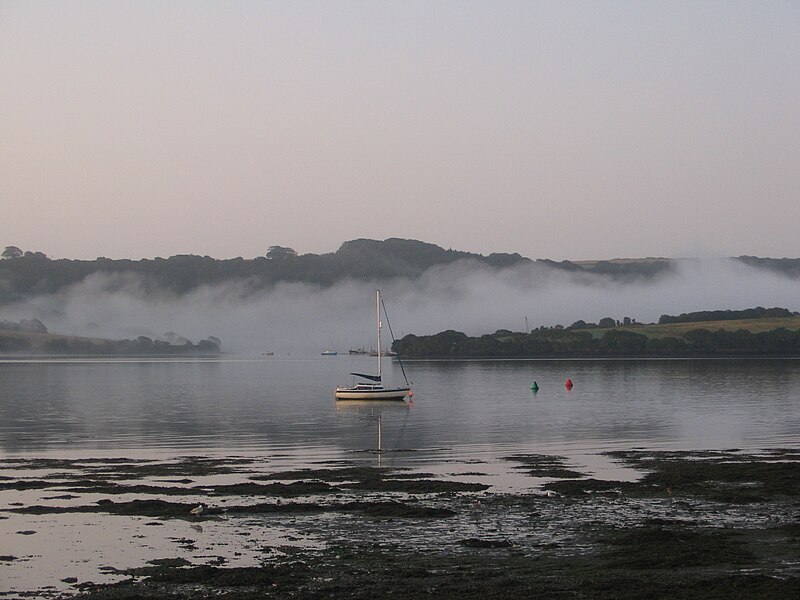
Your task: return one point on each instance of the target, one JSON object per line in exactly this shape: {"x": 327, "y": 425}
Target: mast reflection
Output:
{"x": 372, "y": 411}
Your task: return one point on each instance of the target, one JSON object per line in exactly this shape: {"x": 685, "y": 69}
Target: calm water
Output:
{"x": 284, "y": 406}
{"x": 279, "y": 413}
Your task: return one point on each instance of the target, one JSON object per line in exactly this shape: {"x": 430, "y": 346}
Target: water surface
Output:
{"x": 285, "y": 406}
{"x": 276, "y": 414}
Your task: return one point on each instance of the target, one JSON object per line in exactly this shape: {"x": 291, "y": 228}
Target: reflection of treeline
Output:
{"x": 726, "y": 315}
{"x": 618, "y": 342}
{"x": 87, "y": 346}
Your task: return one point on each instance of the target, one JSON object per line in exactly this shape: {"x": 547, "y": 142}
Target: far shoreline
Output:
{"x": 594, "y": 358}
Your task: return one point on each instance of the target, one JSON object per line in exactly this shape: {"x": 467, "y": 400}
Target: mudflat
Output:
{"x": 713, "y": 524}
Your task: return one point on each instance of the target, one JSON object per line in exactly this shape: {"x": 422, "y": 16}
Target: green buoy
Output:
{"x": 535, "y": 386}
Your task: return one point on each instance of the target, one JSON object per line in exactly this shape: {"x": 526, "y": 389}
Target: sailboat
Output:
{"x": 373, "y": 389}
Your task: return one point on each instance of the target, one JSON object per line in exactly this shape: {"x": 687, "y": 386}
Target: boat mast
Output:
{"x": 378, "y": 314}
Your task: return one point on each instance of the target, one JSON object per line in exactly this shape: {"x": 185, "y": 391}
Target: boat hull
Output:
{"x": 374, "y": 394}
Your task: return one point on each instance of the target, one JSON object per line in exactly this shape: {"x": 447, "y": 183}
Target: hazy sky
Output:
{"x": 554, "y": 129}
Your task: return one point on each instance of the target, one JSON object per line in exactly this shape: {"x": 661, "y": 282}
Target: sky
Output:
{"x": 562, "y": 130}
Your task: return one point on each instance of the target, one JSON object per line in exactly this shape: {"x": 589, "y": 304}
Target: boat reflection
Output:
{"x": 372, "y": 411}
{"x": 373, "y": 406}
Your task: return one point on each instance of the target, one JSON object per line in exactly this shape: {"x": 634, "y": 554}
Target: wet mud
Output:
{"x": 716, "y": 524}
{"x": 544, "y": 465}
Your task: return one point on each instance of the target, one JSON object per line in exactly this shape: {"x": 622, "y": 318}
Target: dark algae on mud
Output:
{"x": 696, "y": 525}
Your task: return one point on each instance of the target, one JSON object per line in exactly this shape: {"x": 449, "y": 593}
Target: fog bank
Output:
{"x": 466, "y": 296}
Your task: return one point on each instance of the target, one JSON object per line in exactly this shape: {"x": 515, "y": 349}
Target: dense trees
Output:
{"x": 140, "y": 346}
{"x": 280, "y": 252}
{"x": 12, "y": 252}
{"x": 621, "y": 341}
{"x": 26, "y": 274}
{"x": 788, "y": 267}
{"x": 29, "y": 325}
{"x": 15, "y": 338}
{"x": 610, "y": 338}
{"x": 32, "y": 273}
{"x": 559, "y": 342}
{"x": 62, "y": 344}
{"x": 726, "y": 315}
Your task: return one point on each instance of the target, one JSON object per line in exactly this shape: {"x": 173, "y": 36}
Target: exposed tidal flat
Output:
{"x": 647, "y": 479}
{"x": 715, "y": 524}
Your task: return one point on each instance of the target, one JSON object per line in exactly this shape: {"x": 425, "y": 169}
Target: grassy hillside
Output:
{"x": 654, "y": 330}
{"x": 766, "y": 336}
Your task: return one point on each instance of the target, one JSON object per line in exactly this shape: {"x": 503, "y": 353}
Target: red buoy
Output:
{"x": 568, "y": 384}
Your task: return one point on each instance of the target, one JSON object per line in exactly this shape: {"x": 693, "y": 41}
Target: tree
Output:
{"x": 12, "y": 252}
{"x": 33, "y": 325}
{"x": 667, "y": 346}
{"x": 278, "y": 252}
{"x": 625, "y": 343}
{"x": 607, "y": 322}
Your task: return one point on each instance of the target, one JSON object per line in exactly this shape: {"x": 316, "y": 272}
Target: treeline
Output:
{"x": 572, "y": 343}
{"x": 24, "y": 274}
{"x": 140, "y": 346}
{"x": 66, "y": 345}
{"x": 29, "y": 325}
{"x": 27, "y": 274}
{"x": 618, "y": 271}
{"x": 787, "y": 267}
{"x": 726, "y": 315}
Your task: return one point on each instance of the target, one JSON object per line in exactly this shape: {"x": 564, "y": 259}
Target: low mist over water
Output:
{"x": 465, "y": 296}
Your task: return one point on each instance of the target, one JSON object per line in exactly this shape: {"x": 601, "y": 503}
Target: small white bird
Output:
{"x": 198, "y": 510}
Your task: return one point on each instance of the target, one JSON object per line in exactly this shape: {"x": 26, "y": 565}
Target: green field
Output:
{"x": 654, "y": 330}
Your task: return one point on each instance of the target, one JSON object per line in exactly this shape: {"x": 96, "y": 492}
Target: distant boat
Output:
{"x": 329, "y": 353}
{"x": 358, "y": 352}
{"x": 373, "y": 390}
{"x": 267, "y": 354}
{"x": 386, "y": 352}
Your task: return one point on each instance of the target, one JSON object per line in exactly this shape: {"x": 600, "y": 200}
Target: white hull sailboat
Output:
{"x": 367, "y": 391}
{"x": 374, "y": 390}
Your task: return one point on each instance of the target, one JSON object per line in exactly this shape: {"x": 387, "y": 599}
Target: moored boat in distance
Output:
{"x": 329, "y": 353}
{"x": 373, "y": 389}
{"x": 386, "y": 352}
